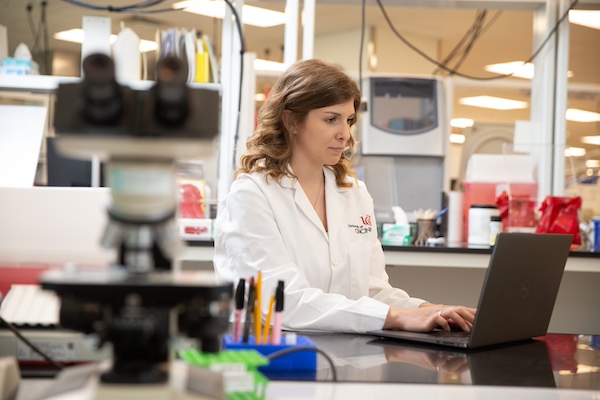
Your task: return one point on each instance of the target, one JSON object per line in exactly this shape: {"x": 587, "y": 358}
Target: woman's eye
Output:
{"x": 331, "y": 120}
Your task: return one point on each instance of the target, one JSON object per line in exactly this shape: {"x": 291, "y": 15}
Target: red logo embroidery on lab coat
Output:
{"x": 366, "y": 220}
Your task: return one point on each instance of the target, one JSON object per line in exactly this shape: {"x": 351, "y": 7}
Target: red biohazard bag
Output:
{"x": 559, "y": 215}
{"x": 502, "y": 202}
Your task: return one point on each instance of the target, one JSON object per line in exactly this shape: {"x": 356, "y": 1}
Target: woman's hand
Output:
{"x": 430, "y": 316}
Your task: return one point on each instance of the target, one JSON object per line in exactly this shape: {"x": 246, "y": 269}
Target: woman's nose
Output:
{"x": 345, "y": 132}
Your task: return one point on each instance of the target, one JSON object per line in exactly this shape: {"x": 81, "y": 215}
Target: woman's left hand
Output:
{"x": 429, "y": 317}
{"x": 453, "y": 316}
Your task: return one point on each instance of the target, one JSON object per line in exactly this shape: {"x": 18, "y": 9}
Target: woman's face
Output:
{"x": 322, "y": 138}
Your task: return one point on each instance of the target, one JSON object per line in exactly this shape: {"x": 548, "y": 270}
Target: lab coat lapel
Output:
{"x": 336, "y": 201}
{"x": 303, "y": 203}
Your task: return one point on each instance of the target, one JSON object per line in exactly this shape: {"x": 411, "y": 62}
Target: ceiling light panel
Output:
{"x": 496, "y": 103}
{"x": 589, "y": 18}
{"x": 77, "y": 35}
{"x": 256, "y": 16}
{"x": 574, "y": 114}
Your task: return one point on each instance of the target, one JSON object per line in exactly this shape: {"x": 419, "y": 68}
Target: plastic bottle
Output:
{"x": 596, "y": 233}
{"x": 495, "y": 228}
{"x": 479, "y": 223}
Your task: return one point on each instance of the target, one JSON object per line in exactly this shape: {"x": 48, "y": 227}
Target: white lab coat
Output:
{"x": 334, "y": 280}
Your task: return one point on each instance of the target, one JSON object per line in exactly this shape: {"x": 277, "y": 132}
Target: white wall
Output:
{"x": 393, "y": 56}
{"x": 343, "y": 49}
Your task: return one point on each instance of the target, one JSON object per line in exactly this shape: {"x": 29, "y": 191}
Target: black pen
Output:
{"x": 249, "y": 310}
{"x": 276, "y": 337}
{"x": 239, "y": 307}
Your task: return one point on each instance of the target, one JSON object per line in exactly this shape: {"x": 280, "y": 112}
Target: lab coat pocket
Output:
{"x": 359, "y": 252}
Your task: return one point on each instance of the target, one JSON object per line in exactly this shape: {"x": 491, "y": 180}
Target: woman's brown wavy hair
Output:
{"x": 305, "y": 86}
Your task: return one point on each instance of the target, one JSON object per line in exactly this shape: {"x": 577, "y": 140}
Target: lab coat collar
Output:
{"x": 335, "y": 198}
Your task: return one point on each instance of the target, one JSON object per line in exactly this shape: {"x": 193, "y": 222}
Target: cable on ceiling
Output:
{"x": 453, "y": 71}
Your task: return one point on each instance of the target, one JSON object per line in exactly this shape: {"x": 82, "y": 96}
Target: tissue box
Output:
{"x": 15, "y": 66}
{"x": 395, "y": 235}
{"x": 16, "y": 62}
{"x": 13, "y": 70}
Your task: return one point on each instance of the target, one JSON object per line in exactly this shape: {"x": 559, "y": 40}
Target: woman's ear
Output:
{"x": 287, "y": 121}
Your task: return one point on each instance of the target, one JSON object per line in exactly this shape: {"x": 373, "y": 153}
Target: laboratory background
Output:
{"x": 478, "y": 117}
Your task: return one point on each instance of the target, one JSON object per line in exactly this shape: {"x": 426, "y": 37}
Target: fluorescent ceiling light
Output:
{"x": 575, "y": 152}
{"x": 77, "y": 35}
{"x": 518, "y": 69}
{"x": 457, "y": 138}
{"x": 251, "y": 15}
{"x": 496, "y": 103}
{"x": 576, "y": 115}
{"x": 593, "y": 163}
{"x": 591, "y": 140}
{"x": 591, "y": 19}
{"x": 461, "y": 122}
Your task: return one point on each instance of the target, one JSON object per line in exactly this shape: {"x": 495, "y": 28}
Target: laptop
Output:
{"x": 518, "y": 294}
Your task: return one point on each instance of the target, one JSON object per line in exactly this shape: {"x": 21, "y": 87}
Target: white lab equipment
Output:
{"x": 405, "y": 116}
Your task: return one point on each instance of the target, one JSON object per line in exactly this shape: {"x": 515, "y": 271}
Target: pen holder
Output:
{"x": 425, "y": 230}
{"x": 305, "y": 360}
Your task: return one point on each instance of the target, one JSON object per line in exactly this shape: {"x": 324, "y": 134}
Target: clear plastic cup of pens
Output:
{"x": 425, "y": 230}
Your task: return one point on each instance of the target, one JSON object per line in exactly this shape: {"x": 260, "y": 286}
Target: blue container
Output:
{"x": 305, "y": 360}
{"x": 596, "y": 233}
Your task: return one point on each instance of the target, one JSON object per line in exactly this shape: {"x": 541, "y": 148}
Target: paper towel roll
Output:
{"x": 455, "y": 218}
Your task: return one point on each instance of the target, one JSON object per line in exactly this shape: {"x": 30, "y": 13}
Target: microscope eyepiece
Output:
{"x": 171, "y": 90}
{"x": 101, "y": 96}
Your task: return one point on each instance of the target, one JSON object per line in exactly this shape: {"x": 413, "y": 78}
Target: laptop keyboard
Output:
{"x": 451, "y": 333}
{"x": 456, "y": 336}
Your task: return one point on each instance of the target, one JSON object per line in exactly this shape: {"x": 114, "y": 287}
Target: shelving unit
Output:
{"x": 40, "y": 89}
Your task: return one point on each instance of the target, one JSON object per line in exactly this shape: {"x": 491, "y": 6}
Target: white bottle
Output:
{"x": 479, "y": 223}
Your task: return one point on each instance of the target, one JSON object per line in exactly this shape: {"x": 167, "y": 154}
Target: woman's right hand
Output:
{"x": 430, "y": 316}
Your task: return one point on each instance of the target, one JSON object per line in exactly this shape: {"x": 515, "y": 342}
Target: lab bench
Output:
{"x": 454, "y": 275}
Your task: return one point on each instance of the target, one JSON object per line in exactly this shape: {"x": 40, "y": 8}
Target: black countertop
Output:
{"x": 553, "y": 361}
{"x": 456, "y": 249}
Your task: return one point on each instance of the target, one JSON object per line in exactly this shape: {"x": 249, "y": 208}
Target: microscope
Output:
{"x": 140, "y": 303}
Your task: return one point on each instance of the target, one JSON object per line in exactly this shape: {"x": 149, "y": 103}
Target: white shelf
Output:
{"x": 33, "y": 83}
{"x": 49, "y": 83}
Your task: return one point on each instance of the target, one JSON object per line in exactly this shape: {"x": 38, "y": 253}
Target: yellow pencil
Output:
{"x": 268, "y": 323}
{"x": 258, "y": 310}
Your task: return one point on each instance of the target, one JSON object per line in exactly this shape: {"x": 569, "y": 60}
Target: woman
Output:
{"x": 297, "y": 213}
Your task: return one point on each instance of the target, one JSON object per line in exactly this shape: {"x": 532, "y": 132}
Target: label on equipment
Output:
{"x": 62, "y": 351}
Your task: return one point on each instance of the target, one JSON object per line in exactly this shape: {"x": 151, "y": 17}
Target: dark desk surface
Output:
{"x": 556, "y": 361}
{"x": 458, "y": 248}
